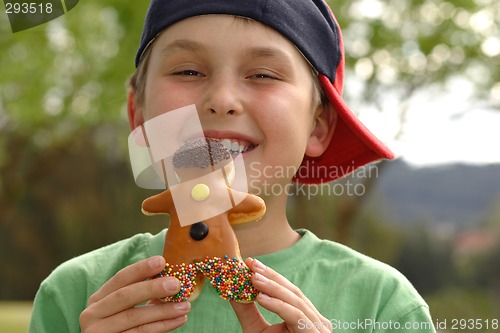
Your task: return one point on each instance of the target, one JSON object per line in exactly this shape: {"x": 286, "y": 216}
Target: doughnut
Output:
{"x": 207, "y": 249}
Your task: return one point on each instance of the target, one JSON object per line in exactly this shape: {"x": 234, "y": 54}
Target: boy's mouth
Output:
{"x": 235, "y": 143}
{"x": 235, "y": 146}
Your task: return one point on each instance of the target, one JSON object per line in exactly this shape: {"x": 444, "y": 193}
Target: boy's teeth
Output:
{"x": 226, "y": 143}
{"x": 233, "y": 146}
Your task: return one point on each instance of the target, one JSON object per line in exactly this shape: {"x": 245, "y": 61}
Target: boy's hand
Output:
{"x": 113, "y": 308}
{"x": 280, "y": 296}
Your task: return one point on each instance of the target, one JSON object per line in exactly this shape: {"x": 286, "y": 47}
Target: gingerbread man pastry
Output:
{"x": 207, "y": 248}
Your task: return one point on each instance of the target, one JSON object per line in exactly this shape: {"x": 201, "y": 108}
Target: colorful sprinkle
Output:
{"x": 186, "y": 274}
{"x": 229, "y": 277}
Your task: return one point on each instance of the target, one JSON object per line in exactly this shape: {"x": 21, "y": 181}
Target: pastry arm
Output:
{"x": 250, "y": 209}
{"x": 160, "y": 203}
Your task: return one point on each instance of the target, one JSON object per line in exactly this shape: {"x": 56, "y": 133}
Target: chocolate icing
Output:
{"x": 200, "y": 153}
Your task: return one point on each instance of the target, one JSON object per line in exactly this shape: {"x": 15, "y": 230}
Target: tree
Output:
{"x": 62, "y": 162}
{"x": 399, "y": 49}
{"x": 62, "y": 96}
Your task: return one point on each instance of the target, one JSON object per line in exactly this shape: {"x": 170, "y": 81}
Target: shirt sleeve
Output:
{"x": 61, "y": 299}
{"x": 400, "y": 307}
{"x": 63, "y": 295}
{"x": 403, "y": 310}
{"x": 417, "y": 321}
{"x": 47, "y": 315}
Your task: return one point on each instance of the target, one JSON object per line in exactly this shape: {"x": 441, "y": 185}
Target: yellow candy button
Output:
{"x": 200, "y": 192}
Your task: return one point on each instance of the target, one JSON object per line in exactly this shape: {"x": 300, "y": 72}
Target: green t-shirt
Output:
{"x": 355, "y": 292}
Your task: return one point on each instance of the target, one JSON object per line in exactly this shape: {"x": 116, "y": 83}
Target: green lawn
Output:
{"x": 14, "y": 316}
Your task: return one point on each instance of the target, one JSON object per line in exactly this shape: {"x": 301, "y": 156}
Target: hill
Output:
{"x": 456, "y": 194}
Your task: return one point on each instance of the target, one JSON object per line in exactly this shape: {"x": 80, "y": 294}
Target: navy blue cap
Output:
{"x": 306, "y": 23}
{"x": 311, "y": 26}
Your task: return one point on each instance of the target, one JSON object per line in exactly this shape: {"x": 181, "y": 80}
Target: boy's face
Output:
{"x": 250, "y": 85}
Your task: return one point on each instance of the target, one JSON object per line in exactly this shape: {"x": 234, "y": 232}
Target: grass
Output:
{"x": 14, "y": 316}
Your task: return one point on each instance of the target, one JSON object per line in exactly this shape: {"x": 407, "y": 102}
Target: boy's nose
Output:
{"x": 222, "y": 99}
{"x": 222, "y": 112}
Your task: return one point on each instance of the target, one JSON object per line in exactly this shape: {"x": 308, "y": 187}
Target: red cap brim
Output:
{"x": 351, "y": 147}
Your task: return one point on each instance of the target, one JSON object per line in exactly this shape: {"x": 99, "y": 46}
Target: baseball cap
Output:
{"x": 313, "y": 28}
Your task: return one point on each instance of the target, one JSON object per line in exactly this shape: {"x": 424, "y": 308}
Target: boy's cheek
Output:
{"x": 164, "y": 98}
{"x": 266, "y": 180}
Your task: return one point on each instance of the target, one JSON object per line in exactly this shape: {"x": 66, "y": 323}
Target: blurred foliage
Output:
{"x": 69, "y": 73}
{"x": 436, "y": 268}
{"x": 65, "y": 180}
{"x": 426, "y": 261}
{"x": 452, "y": 304}
{"x": 60, "y": 202}
{"x": 405, "y": 46}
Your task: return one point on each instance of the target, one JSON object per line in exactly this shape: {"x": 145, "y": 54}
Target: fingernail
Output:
{"x": 263, "y": 296}
{"x": 155, "y": 262}
{"x": 171, "y": 284}
{"x": 260, "y": 277}
{"x": 180, "y": 319}
{"x": 257, "y": 264}
{"x": 183, "y": 306}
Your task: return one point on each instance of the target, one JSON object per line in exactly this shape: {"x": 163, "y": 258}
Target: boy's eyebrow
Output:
{"x": 269, "y": 53}
{"x": 182, "y": 45}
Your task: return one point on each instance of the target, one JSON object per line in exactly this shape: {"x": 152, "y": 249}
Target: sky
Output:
{"x": 472, "y": 138}
{"x": 440, "y": 129}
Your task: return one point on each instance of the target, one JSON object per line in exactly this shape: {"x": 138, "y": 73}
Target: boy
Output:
{"x": 268, "y": 76}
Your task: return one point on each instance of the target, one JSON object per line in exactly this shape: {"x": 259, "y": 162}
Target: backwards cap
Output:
{"x": 312, "y": 27}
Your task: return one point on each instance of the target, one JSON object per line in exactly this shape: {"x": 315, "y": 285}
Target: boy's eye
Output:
{"x": 264, "y": 76}
{"x": 188, "y": 72}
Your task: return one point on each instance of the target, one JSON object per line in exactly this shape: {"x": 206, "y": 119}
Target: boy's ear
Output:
{"x": 135, "y": 117}
{"x": 324, "y": 126}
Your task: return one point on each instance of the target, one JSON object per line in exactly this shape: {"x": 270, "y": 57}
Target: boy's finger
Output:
{"x": 158, "y": 314}
{"x": 160, "y": 326}
{"x": 137, "y": 293}
{"x": 275, "y": 285}
{"x": 250, "y": 318}
{"x": 256, "y": 266}
{"x": 123, "y": 300}
{"x": 282, "y": 295}
{"x": 292, "y": 316}
{"x": 131, "y": 274}
{"x": 295, "y": 320}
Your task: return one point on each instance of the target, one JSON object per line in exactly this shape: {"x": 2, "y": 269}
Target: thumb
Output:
{"x": 250, "y": 318}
